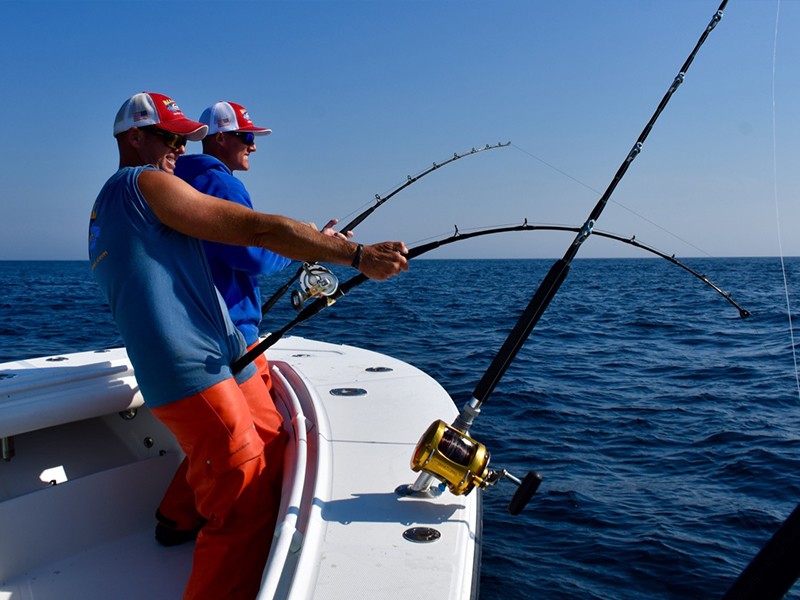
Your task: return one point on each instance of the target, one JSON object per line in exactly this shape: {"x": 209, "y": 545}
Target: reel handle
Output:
{"x": 527, "y": 488}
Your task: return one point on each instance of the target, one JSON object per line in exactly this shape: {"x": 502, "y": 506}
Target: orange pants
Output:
{"x": 263, "y": 369}
{"x": 231, "y": 477}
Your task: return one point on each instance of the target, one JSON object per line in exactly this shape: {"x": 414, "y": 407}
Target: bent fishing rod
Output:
{"x": 447, "y": 453}
{"x": 322, "y": 302}
{"x": 380, "y": 200}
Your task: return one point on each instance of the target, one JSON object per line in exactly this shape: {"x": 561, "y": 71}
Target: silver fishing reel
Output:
{"x": 316, "y": 281}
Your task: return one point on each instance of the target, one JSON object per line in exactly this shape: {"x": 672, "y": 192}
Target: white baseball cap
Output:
{"x": 229, "y": 116}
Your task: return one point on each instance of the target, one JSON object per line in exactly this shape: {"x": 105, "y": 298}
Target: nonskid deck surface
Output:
{"x": 372, "y": 436}
{"x": 366, "y": 413}
{"x": 133, "y": 567}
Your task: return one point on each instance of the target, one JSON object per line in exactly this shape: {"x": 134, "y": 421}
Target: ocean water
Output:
{"x": 667, "y": 428}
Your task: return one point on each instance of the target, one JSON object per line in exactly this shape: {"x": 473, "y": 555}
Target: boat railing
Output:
{"x": 288, "y": 539}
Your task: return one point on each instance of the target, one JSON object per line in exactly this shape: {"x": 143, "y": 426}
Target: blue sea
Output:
{"x": 667, "y": 428}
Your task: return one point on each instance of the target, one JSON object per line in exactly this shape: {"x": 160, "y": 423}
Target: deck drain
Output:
{"x": 348, "y": 392}
{"x": 422, "y": 535}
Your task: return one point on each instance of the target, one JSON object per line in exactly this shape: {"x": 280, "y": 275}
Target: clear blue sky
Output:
{"x": 362, "y": 94}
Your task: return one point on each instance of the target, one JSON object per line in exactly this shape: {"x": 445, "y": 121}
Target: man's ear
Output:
{"x": 135, "y": 136}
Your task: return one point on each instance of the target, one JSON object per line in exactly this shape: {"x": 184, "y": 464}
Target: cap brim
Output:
{"x": 256, "y": 130}
{"x": 192, "y": 130}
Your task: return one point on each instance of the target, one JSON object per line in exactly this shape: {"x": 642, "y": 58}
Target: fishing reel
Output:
{"x": 462, "y": 463}
{"x": 316, "y": 281}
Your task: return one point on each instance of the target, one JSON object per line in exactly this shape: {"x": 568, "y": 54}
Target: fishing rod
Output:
{"x": 447, "y": 453}
{"x": 326, "y": 281}
{"x": 326, "y": 300}
{"x": 773, "y": 571}
{"x": 632, "y": 241}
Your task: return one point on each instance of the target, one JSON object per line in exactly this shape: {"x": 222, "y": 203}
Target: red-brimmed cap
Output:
{"x": 229, "y": 116}
{"x": 149, "y": 108}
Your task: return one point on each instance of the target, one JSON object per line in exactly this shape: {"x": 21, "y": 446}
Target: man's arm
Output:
{"x": 179, "y": 206}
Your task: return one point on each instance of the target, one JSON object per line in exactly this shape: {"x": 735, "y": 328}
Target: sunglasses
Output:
{"x": 248, "y": 138}
{"x": 173, "y": 141}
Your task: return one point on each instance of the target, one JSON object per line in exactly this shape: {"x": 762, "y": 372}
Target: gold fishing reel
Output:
{"x": 452, "y": 457}
{"x": 316, "y": 281}
{"x": 462, "y": 463}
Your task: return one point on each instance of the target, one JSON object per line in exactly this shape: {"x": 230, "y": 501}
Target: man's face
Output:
{"x": 235, "y": 148}
{"x": 161, "y": 148}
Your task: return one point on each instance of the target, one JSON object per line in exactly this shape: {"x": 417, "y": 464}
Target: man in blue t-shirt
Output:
{"x": 227, "y": 146}
{"x": 145, "y": 252}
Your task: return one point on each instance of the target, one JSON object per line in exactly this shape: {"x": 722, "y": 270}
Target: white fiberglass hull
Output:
{"x": 355, "y": 418}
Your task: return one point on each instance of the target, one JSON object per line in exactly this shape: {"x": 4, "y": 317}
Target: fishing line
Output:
{"x": 775, "y": 568}
{"x": 616, "y": 202}
{"x": 379, "y": 200}
{"x": 776, "y": 199}
{"x": 320, "y": 303}
{"x": 557, "y": 170}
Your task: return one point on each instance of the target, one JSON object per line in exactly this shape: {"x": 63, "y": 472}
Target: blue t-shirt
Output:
{"x": 234, "y": 268}
{"x": 176, "y": 329}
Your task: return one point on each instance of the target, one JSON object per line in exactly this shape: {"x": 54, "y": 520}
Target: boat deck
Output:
{"x": 355, "y": 418}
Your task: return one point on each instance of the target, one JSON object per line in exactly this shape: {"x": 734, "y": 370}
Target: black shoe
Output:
{"x": 168, "y": 535}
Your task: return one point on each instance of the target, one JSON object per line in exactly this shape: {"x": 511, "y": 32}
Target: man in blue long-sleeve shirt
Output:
{"x": 230, "y": 140}
{"x": 226, "y": 148}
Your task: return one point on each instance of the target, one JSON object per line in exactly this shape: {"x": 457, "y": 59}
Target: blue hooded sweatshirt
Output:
{"x": 234, "y": 268}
